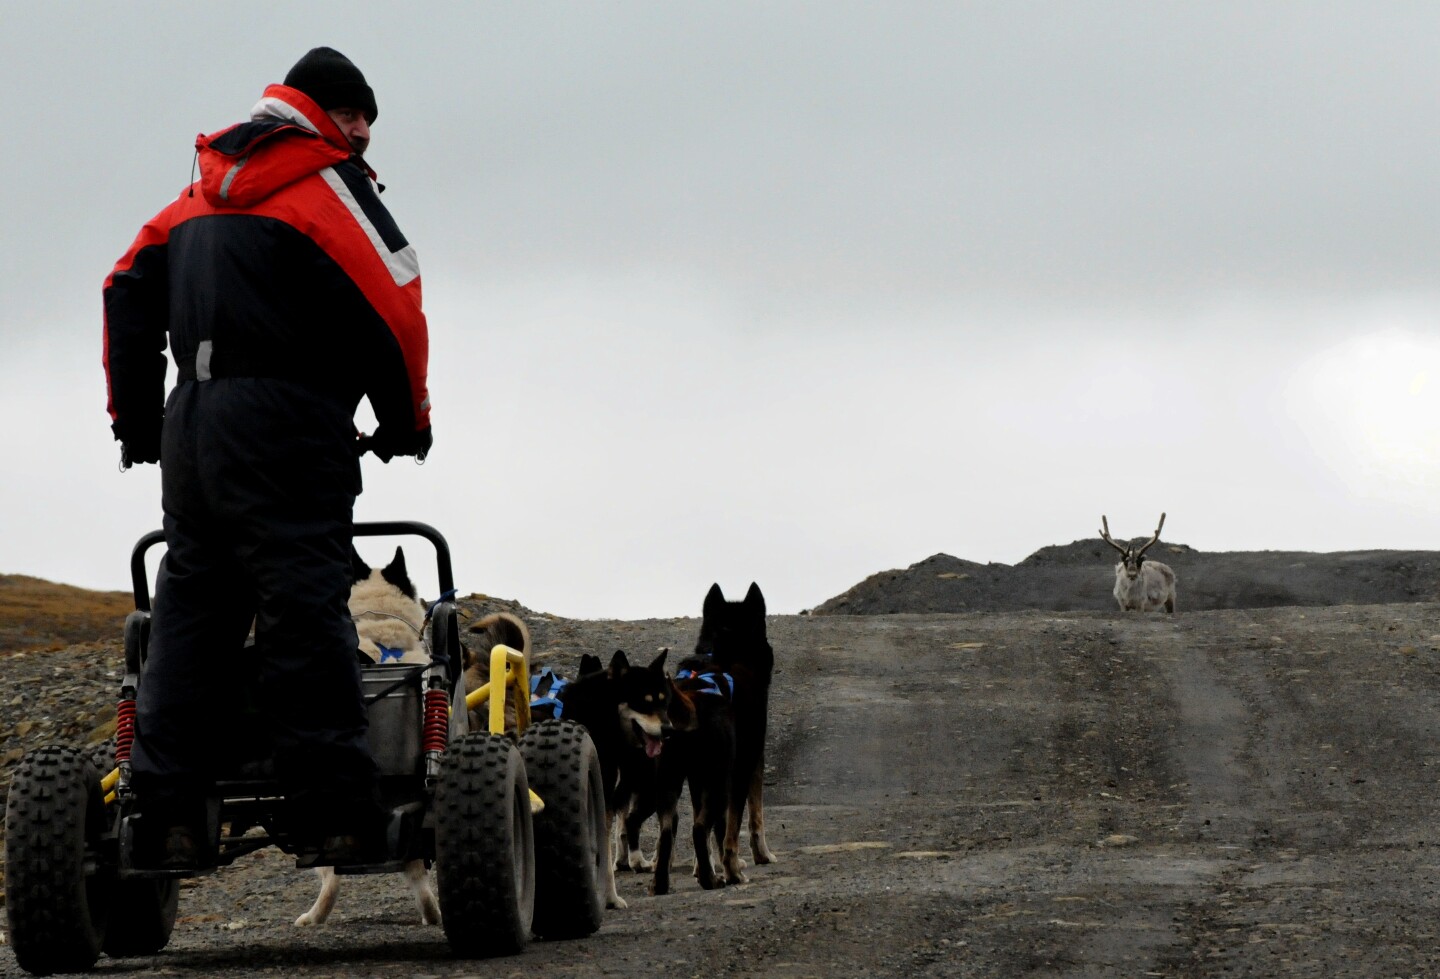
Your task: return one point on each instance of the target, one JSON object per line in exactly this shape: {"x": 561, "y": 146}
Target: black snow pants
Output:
{"x": 259, "y": 479}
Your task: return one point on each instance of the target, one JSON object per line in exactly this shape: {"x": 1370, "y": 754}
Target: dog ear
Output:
{"x": 754, "y": 598}
{"x": 359, "y": 570}
{"x": 398, "y": 561}
{"x": 659, "y": 662}
{"x": 590, "y": 664}
{"x": 395, "y": 574}
{"x": 714, "y": 601}
{"x": 618, "y": 664}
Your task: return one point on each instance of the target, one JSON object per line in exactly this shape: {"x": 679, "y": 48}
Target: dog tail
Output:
{"x": 507, "y": 628}
{"x": 681, "y": 712}
{"x": 498, "y": 628}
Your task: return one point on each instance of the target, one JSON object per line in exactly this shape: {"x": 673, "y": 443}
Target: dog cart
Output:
{"x": 514, "y": 823}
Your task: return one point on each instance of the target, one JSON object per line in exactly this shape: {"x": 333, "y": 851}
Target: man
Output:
{"x": 288, "y": 293}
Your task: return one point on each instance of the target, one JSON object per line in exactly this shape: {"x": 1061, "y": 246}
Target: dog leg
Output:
{"x": 714, "y": 847}
{"x": 664, "y": 850}
{"x": 634, "y": 819}
{"x": 620, "y": 847}
{"x": 419, "y": 879}
{"x": 758, "y": 847}
{"x": 732, "y": 865}
{"x": 700, "y": 832}
{"x": 324, "y": 902}
{"x": 708, "y": 805}
{"x": 621, "y": 838}
{"x": 630, "y": 856}
{"x": 730, "y": 849}
{"x": 612, "y": 896}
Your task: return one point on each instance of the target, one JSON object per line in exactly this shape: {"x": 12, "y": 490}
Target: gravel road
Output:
{"x": 1240, "y": 793}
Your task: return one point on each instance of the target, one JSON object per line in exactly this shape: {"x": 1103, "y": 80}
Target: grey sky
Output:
{"x": 795, "y": 293}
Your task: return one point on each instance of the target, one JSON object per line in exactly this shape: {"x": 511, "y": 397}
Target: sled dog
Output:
{"x": 733, "y": 641}
{"x": 625, "y": 710}
{"x": 389, "y": 620}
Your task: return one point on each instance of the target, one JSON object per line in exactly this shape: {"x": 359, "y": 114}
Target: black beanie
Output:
{"x": 333, "y": 81}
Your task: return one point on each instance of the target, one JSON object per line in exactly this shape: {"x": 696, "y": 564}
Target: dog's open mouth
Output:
{"x": 651, "y": 743}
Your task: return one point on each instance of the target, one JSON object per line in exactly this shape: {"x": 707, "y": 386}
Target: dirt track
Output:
{"x": 1046, "y": 794}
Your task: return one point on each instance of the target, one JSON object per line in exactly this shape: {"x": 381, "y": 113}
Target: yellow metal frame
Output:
{"x": 509, "y": 674}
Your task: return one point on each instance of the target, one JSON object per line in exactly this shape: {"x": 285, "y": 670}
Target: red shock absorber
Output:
{"x": 437, "y": 720}
{"x": 124, "y": 730}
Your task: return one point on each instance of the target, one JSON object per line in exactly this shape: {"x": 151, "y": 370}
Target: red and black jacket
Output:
{"x": 279, "y": 262}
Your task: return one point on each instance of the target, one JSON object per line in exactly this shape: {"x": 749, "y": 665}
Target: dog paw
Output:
{"x": 766, "y": 856}
{"x": 306, "y": 920}
{"x": 616, "y": 902}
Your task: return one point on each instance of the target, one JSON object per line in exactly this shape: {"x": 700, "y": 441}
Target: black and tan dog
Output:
{"x": 733, "y": 641}
{"x": 701, "y": 752}
{"x": 625, "y": 709}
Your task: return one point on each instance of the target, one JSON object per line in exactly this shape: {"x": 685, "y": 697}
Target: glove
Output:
{"x": 139, "y": 447}
{"x": 389, "y": 442}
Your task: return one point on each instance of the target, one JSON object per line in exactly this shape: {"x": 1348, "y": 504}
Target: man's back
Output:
{"x": 286, "y": 293}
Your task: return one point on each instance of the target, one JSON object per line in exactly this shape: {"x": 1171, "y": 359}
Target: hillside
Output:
{"x": 1079, "y": 577}
{"x": 38, "y": 614}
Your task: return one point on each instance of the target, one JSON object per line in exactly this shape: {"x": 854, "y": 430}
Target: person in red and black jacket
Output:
{"x": 287, "y": 294}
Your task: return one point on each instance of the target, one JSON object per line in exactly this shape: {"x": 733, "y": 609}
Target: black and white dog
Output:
{"x": 389, "y": 623}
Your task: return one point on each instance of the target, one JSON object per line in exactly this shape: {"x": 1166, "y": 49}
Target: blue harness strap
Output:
{"x": 386, "y": 653}
{"x": 430, "y": 609}
{"x": 558, "y": 707}
{"x": 551, "y": 697}
{"x": 711, "y": 681}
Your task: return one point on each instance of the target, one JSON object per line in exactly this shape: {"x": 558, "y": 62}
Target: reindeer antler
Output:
{"x": 1153, "y": 539}
{"x": 1105, "y": 533}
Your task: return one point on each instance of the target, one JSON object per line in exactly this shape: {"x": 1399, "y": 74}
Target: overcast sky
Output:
{"x": 793, "y": 293}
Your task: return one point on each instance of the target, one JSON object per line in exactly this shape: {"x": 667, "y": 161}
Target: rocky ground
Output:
{"x": 1242, "y": 792}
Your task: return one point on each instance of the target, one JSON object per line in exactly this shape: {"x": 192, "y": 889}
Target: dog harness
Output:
{"x": 386, "y": 653}
{"x": 551, "y": 697}
{"x": 430, "y": 609}
{"x": 711, "y": 680}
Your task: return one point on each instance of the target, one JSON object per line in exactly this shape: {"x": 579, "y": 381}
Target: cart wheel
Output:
{"x": 142, "y": 915}
{"x": 58, "y": 899}
{"x": 142, "y": 912}
{"x": 484, "y": 847}
{"x": 571, "y": 854}
{"x": 102, "y": 755}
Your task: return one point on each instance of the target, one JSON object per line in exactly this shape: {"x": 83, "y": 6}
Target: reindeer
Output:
{"x": 1141, "y": 585}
